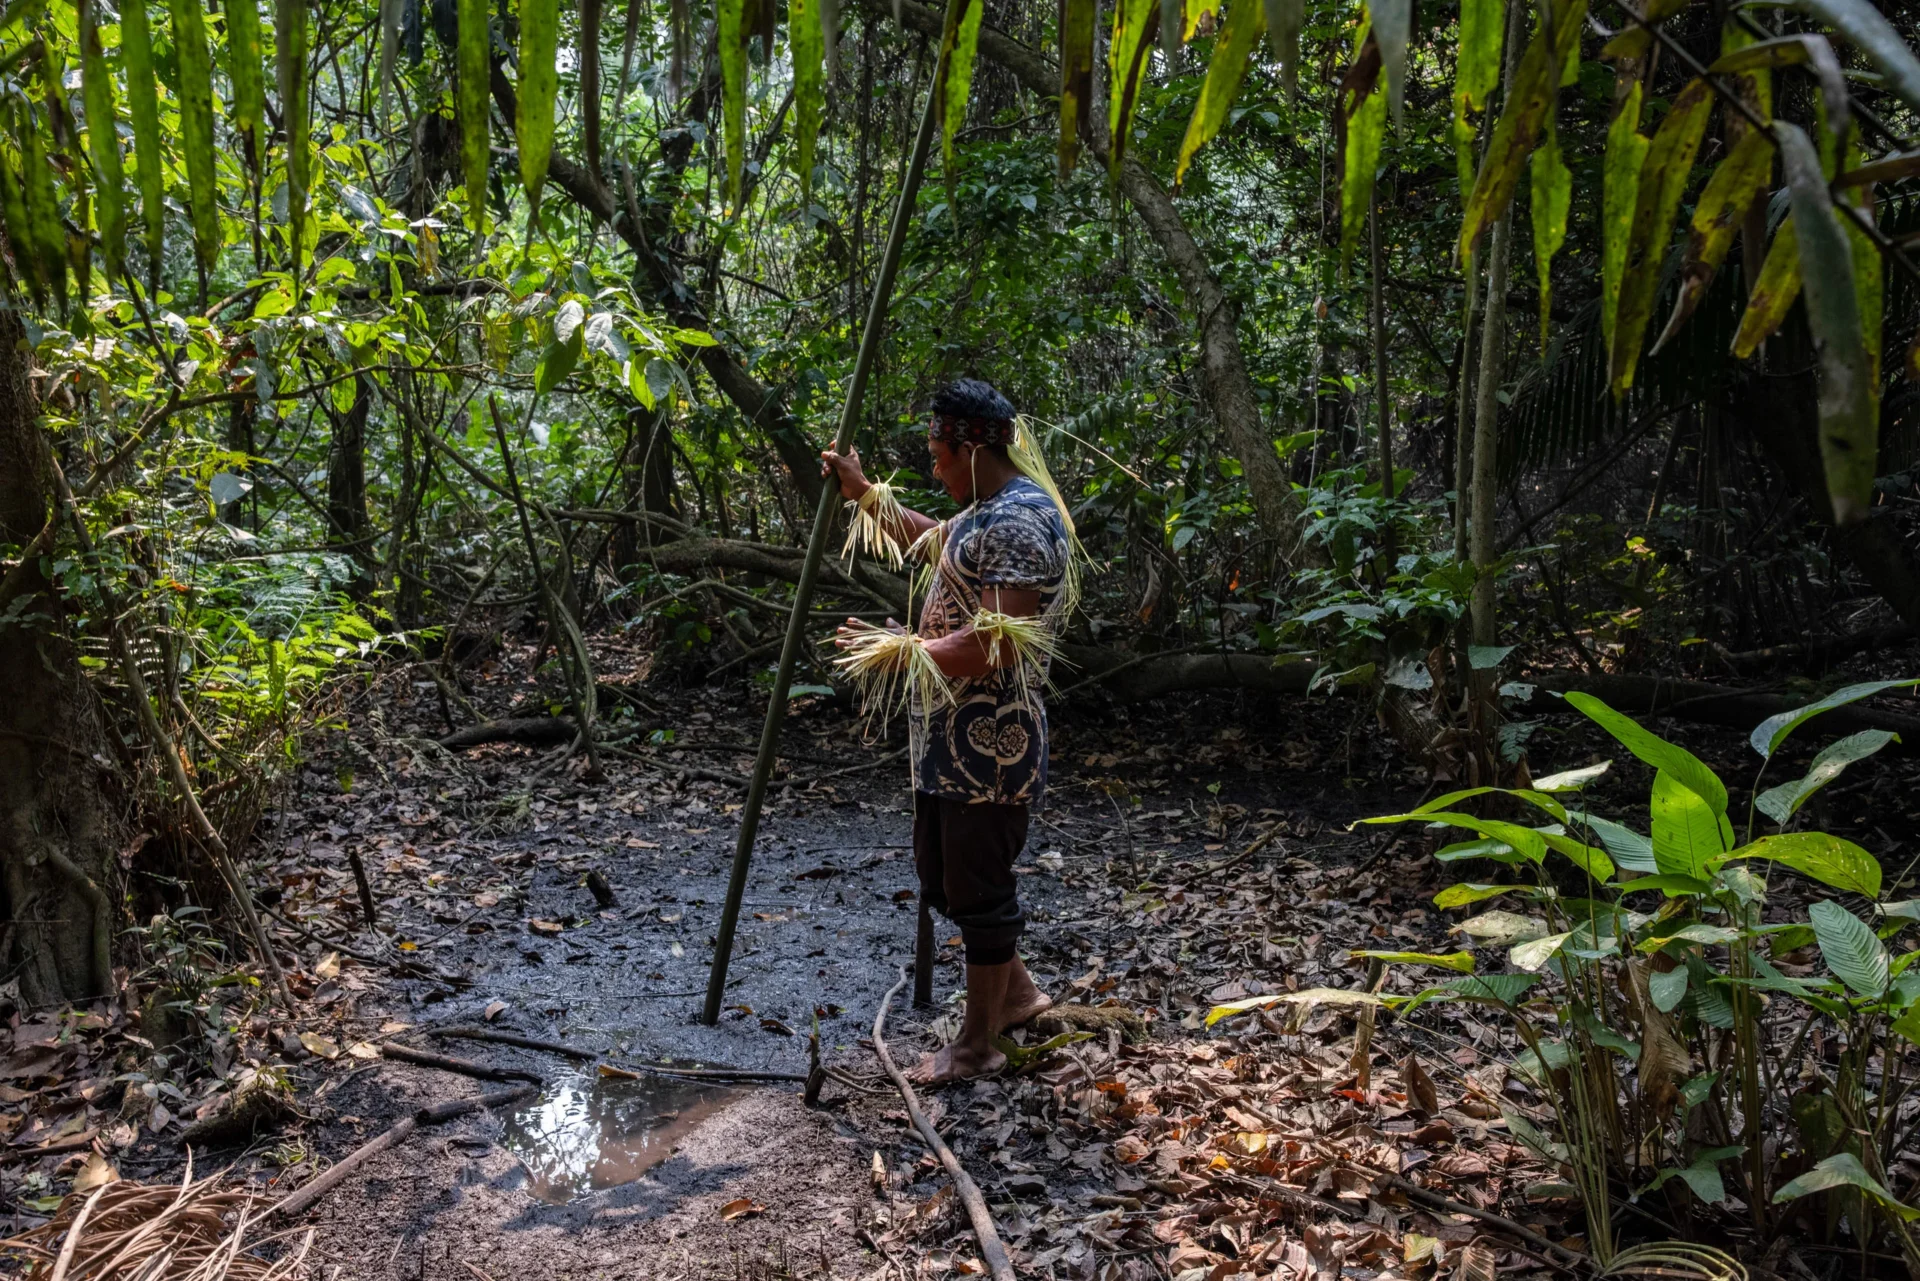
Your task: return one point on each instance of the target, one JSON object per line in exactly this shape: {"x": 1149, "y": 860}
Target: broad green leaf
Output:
{"x": 1594, "y": 862}
{"x": 1663, "y": 179}
{"x": 1284, "y": 20}
{"x": 1687, "y": 834}
{"x": 959, "y": 44}
{"x": 1772, "y": 296}
{"x": 1770, "y": 733}
{"x": 1630, "y": 850}
{"x": 1849, "y": 429}
{"x": 1392, "y": 22}
{"x": 1481, "y": 989}
{"x": 1535, "y": 953}
{"x": 1502, "y": 929}
{"x": 1692, "y": 932}
{"x": 1127, "y": 58}
{"x": 194, "y": 64}
{"x": 290, "y": 67}
{"x": 103, "y": 143}
{"x": 1703, "y": 1176}
{"x": 1552, "y": 195}
{"x": 1677, "y": 762}
{"x": 1467, "y": 892}
{"x": 558, "y": 360}
{"x": 471, "y": 96}
{"x": 1310, "y": 996}
{"x": 539, "y": 90}
{"x": 1232, "y": 51}
{"x": 1535, "y": 82}
{"x": 1620, "y": 196}
{"x": 1667, "y": 990}
{"x": 1670, "y": 884}
{"x": 1498, "y": 851}
{"x": 1843, "y": 1170}
{"x": 1477, "y": 68}
{"x": 1524, "y": 840}
{"x": 1736, "y": 182}
{"x": 244, "y": 72}
{"x": 807, "y": 45}
{"x": 1783, "y": 802}
{"x": 1366, "y": 125}
{"x": 1571, "y": 780}
{"x": 1078, "y": 19}
{"x": 143, "y": 111}
{"x": 1850, "y": 948}
{"x": 1876, "y": 38}
{"x": 1461, "y": 961}
{"x": 730, "y": 35}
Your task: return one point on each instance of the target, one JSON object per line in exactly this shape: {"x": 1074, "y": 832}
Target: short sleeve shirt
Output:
{"x": 991, "y": 744}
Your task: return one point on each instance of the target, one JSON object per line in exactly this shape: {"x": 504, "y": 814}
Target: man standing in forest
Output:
{"x": 1001, "y": 567}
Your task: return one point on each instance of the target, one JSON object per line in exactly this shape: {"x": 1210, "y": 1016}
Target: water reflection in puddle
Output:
{"x": 585, "y": 1133}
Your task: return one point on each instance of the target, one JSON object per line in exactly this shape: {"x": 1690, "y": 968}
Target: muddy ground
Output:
{"x": 1139, "y": 892}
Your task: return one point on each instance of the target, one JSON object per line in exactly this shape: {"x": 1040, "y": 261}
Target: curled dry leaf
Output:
{"x": 741, "y": 1208}
{"x": 320, "y": 1045}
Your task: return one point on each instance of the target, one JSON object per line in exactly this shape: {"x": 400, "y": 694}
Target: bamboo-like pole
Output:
{"x": 816, "y": 548}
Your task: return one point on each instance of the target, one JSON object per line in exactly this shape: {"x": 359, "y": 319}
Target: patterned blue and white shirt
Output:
{"x": 991, "y": 745}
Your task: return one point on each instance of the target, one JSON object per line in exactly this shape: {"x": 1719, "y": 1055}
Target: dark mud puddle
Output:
{"x": 586, "y": 1133}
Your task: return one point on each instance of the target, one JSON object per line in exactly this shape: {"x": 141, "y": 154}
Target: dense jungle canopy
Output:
{"x": 1432, "y": 360}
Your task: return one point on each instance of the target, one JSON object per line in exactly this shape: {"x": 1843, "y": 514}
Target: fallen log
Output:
{"x": 532, "y": 731}
{"x": 500, "y": 1037}
{"x": 437, "y": 1114}
{"x": 1701, "y": 703}
{"x": 991, "y": 1248}
{"x": 446, "y": 1063}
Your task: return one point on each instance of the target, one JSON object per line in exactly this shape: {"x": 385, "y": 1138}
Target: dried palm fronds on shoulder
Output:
{"x": 128, "y": 1231}
{"x": 892, "y": 669}
{"x": 871, "y": 521}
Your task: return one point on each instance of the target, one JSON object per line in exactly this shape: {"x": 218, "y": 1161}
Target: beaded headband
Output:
{"x": 954, "y": 429}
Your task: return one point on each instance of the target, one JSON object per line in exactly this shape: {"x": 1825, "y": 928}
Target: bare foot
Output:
{"x": 1023, "y": 1000}
{"x": 955, "y": 1063}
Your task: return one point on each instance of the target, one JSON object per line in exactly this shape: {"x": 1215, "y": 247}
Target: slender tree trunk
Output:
{"x": 347, "y": 516}
{"x": 1381, "y": 402}
{"x": 1482, "y": 534}
{"x": 647, "y": 475}
{"x": 61, "y": 817}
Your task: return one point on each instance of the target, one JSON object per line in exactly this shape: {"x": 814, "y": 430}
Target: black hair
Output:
{"x": 972, "y": 398}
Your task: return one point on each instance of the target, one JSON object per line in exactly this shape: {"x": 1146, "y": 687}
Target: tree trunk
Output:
{"x": 347, "y": 519}
{"x": 60, "y": 816}
{"x": 647, "y": 474}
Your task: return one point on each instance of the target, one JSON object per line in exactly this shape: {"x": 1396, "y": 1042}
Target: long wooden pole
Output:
{"x": 816, "y": 548}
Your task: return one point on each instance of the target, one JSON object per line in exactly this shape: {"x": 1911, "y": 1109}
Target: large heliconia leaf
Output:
{"x": 1476, "y": 73}
{"x": 806, "y": 37}
{"x": 1365, "y": 111}
{"x": 1284, "y": 20}
{"x": 730, "y": 35}
{"x": 1246, "y": 21}
{"x": 195, "y": 64}
{"x": 1849, "y": 430}
{"x": 143, "y": 111}
{"x": 1773, "y": 294}
{"x": 1682, "y": 766}
{"x": 103, "y": 144}
{"x": 1523, "y": 840}
{"x": 244, "y": 63}
{"x": 539, "y": 90}
{"x": 1619, "y": 197}
{"x": 1773, "y": 731}
{"x": 1783, "y": 802}
{"x": 1875, "y": 37}
{"x": 959, "y": 45}
{"x": 472, "y": 56}
{"x": 290, "y": 34}
{"x": 1552, "y": 195}
{"x": 1077, "y": 22}
{"x": 1850, "y": 948}
{"x": 1392, "y": 27}
{"x": 1663, "y": 179}
{"x": 1827, "y": 859}
{"x": 1535, "y": 82}
{"x": 1687, "y": 834}
{"x": 1843, "y": 1170}
{"x": 1127, "y": 56}
{"x": 1735, "y": 184}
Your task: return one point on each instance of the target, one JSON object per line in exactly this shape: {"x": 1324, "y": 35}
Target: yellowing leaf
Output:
{"x": 539, "y": 89}
{"x": 959, "y": 43}
{"x": 1663, "y": 178}
{"x": 470, "y": 98}
{"x": 1626, "y": 155}
{"x": 1773, "y": 294}
{"x": 1077, "y": 21}
{"x": 1127, "y": 57}
{"x": 1736, "y": 182}
{"x": 320, "y": 1045}
{"x": 328, "y": 966}
{"x": 1552, "y": 195}
{"x": 1365, "y": 110}
{"x": 1231, "y": 54}
{"x": 806, "y": 43}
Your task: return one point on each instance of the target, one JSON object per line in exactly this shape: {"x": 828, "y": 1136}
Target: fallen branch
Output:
{"x": 531, "y": 731}
{"x": 465, "y": 1067}
{"x": 514, "y": 1038}
{"x": 439, "y": 1113}
{"x": 963, "y": 1184}
{"x": 500, "y": 1037}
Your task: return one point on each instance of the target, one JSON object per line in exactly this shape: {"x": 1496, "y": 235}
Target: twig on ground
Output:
{"x": 465, "y": 1067}
{"x": 963, "y": 1184}
{"x": 1557, "y": 1254}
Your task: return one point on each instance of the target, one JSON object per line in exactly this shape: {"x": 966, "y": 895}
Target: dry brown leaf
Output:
{"x": 328, "y": 967}
{"x": 1420, "y": 1088}
{"x": 95, "y": 1172}
{"x": 364, "y": 1050}
{"x": 1476, "y": 1262}
{"x": 611, "y": 1073}
{"x": 546, "y": 927}
{"x": 741, "y": 1208}
{"x": 320, "y": 1045}
{"x": 494, "y": 1010}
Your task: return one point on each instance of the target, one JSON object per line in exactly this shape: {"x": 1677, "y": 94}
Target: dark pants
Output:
{"x": 965, "y": 855}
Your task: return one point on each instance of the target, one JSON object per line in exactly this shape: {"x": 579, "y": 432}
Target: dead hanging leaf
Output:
{"x": 1664, "y": 1061}
{"x": 1420, "y": 1088}
{"x": 741, "y": 1208}
{"x": 611, "y": 1073}
{"x": 95, "y": 1172}
{"x": 320, "y": 1045}
{"x": 494, "y": 1010}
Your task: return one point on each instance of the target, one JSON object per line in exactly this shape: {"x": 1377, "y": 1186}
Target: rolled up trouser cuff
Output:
{"x": 990, "y": 935}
